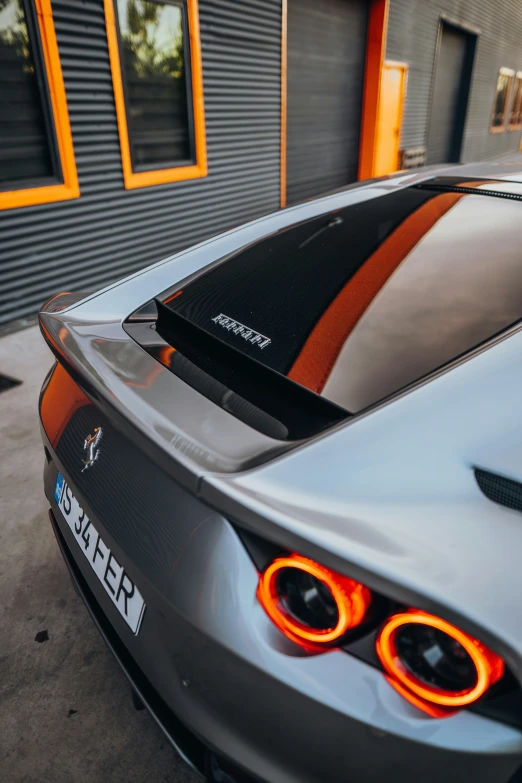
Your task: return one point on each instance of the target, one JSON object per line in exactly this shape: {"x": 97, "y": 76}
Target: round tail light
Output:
{"x": 435, "y": 661}
{"x": 308, "y": 602}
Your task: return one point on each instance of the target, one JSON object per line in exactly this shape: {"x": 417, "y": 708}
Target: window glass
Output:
{"x": 26, "y": 152}
{"x": 505, "y": 77}
{"x": 515, "y": 118}
{"x": 361, "y": 302}
{"x": 154, "y": 50}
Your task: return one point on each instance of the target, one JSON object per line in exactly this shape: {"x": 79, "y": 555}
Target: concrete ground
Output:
{"x": 65, "y": 709}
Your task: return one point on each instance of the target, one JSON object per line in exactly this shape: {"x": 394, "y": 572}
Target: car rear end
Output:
{"x": 159, "y": 417}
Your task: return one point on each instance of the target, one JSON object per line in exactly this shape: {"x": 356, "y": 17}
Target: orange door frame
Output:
{"x": 375, "y": 50}
{"x": 389, "y": 119}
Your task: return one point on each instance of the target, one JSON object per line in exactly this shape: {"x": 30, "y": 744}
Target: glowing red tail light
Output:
{"x": 309, "y": 603}
{"x": 430, "y": 660}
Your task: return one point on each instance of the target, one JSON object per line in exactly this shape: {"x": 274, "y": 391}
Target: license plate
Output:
{"x": 117, "y": 584}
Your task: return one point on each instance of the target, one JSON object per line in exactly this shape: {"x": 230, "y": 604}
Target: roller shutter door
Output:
{"x": 325, "y": 70}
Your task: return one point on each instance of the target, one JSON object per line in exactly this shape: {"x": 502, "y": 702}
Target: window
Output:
{"x": 498, "y": 119}
{"x": 156, "y": 70}
{"x": 36, "y": 155}
{"x": 515, "y": 117}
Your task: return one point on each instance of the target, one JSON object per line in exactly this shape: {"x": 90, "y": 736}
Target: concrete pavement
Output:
{"x": 65, "y": 709}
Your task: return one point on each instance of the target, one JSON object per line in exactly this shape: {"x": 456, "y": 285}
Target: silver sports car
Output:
{"x": 285, "y": 471}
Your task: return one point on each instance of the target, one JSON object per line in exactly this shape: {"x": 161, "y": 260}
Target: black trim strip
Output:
{"x": 471, "y": 191}
{"x": 301, "y": 412}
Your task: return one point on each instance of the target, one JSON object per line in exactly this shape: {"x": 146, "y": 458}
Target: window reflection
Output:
{"x": 505, "y": 77}
{"x": 436, "y": 306}
{"x": 361, "y": 302}
{"x": 25, "y": 151}
{"x": 155, "y": 85}
{"x": 515, "y": 118}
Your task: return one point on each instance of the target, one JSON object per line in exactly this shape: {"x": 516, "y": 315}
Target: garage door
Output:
{"x": 325, "y": 70}
{"x": 450, "y": 95}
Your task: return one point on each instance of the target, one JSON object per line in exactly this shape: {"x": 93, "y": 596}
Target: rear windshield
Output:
{"x": 361, "y": 302}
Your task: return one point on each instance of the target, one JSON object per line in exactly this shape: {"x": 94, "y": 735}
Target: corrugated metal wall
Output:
{"x": 412, "y": 38}
{"x": 109, "y": 232}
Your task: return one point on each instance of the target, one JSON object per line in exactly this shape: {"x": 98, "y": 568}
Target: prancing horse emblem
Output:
{"x": 90, "y": 445}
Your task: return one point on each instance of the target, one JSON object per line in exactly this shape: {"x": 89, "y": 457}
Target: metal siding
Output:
{"x": 412, "y": 38}
{"x": 326, "y": 56}
{"x": 110, "y": 232}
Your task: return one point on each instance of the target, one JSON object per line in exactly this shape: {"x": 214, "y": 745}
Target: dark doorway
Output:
{"x": 325, "y": 72}
{"x": 450, "y": 94}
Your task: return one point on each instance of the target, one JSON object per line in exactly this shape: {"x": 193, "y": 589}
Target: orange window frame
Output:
{"x": 517, "y": 81}
{"x": 141, "y": 179}
{"x": 510, "y": 76}
{"x": 69, "y": 189}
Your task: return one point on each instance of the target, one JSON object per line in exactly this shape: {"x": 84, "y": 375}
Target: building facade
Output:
{"x": 131, "y": 129}
{"x": 457, "y": 52}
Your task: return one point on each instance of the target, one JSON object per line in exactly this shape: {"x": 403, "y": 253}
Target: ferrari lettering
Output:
{"x": 239, "y": 329}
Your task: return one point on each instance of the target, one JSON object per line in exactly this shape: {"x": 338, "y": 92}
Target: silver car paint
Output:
{"x": 227, "y": 673}
{"x": 98, "y": 347}
{"x": 395, "y": 501}
{"x": 389, "y": 497}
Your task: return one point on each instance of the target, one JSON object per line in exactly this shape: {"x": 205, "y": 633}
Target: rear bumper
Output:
{"x": 190, "y": 748}
{"x": 215, "y": 674}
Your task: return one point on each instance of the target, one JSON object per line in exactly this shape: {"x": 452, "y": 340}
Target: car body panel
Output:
{"x": 388, "y": 497}
{"x": 395, "y": 502}
{"x": 213, "y": 644}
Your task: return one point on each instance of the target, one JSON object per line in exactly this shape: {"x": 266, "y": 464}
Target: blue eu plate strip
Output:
{"x": 58, "y": 489}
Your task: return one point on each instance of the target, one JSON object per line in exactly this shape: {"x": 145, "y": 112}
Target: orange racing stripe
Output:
{"x": 320, "y": 351}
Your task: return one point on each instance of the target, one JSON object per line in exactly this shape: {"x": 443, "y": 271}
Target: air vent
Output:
{"x": 499, "y": 489}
